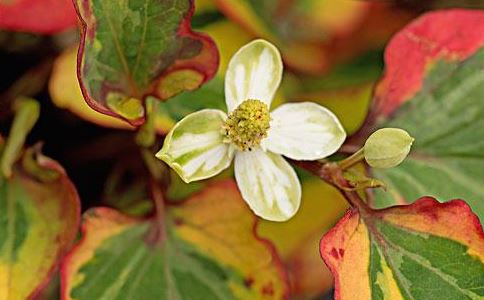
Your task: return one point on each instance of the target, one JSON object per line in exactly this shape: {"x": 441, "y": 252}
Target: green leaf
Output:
{"x": 39, "y": 215}
{"x": 132, "y": 49}
{"x": 210, "y": 95}
{"x": 426, "y": 250}
{"x": 436, "y": 94}
{"x": 197, "y": 252}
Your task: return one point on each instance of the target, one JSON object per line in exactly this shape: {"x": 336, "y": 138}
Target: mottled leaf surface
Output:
{"x": 37, "y": 16}
{"x": 426, "y": 250}
{"x": 228, "y": 37}
{"x": 39, "y": 215}
{"x": 436, "y": 93}
{"x": 208, "y": 250}
{"x": 131, "y": 49}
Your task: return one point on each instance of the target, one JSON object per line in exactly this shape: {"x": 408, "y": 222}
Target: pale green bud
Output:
{"x": 387, "y": 147}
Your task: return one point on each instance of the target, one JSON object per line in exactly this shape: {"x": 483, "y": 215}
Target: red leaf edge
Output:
{"x": 48, "y": 163}
{"x": 424, "y": 204}
{"x": 223, "y": 184}
{"x": 184, "y": 30}
{"x": 452, "y": 34}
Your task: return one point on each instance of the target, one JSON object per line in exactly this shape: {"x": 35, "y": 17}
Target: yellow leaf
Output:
{"x": 65, "y": 92}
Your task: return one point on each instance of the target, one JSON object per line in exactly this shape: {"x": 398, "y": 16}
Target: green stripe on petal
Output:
{"x": 194, "y": 148}
{"x": 304, "y": 131}
{"x": 254, "y": 72}
{"x": 268, "y": 184}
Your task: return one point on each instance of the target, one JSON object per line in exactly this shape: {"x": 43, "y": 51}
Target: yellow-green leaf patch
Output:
{"x": 204, "y": 249}
{"x": 427, "y": 250}
{"x": 39, "y": 215}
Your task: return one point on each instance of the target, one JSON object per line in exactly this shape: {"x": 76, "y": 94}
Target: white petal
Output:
{"x": 195, "y": 148}
{"x": 254, "y": 72}
{"x": 268, "y": 184}
{"x": 304, "y": 131}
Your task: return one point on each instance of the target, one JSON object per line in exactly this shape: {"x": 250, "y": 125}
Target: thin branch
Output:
{"x": 157, "y": 234}
{"x": 333, "y": 174}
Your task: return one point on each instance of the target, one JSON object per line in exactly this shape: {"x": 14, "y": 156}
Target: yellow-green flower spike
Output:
{"x": 247, "y": 125}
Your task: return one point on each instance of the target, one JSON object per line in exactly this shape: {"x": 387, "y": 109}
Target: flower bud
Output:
{"x": 387, "y": 147}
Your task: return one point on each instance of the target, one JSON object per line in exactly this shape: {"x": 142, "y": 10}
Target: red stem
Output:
{"x": 157, "y": 234}
{"x": 333, "y": 174}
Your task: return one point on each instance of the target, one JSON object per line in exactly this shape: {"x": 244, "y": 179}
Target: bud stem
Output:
{"x": 352, "y": 159}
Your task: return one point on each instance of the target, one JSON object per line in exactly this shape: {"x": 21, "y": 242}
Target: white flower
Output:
{"x": 204, "y": 143}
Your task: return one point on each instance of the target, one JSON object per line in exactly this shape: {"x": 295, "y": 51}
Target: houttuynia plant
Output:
{"x": 355, "y": 130}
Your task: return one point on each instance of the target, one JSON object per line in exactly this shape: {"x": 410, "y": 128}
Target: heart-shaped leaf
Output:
{"x": 37, "y": 16}
{"x": 207, "y": 250}
{"x": 426, "y": 250}
{"x": 133, "y": 49}
{"x": 39, "y": 216}
{"x": 434, "y": 88}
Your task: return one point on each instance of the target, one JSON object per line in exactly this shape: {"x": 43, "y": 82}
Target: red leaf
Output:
{"x": 452, "y": 35}
{"x": 37, "y": 16}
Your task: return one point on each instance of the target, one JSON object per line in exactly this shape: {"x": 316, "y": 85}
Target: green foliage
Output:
{"x": 408, "y": 252}
{"x": 131, "y": 49}
{"x": 140, "y": 62}
{"x": 446, "y": 119}
{"x": 195, "y": 251}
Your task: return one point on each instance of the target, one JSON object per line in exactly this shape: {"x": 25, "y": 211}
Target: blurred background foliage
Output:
{"x": 333, "y": 56}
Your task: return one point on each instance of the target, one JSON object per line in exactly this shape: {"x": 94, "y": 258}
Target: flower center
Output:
{"x": 247, "y": 125}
